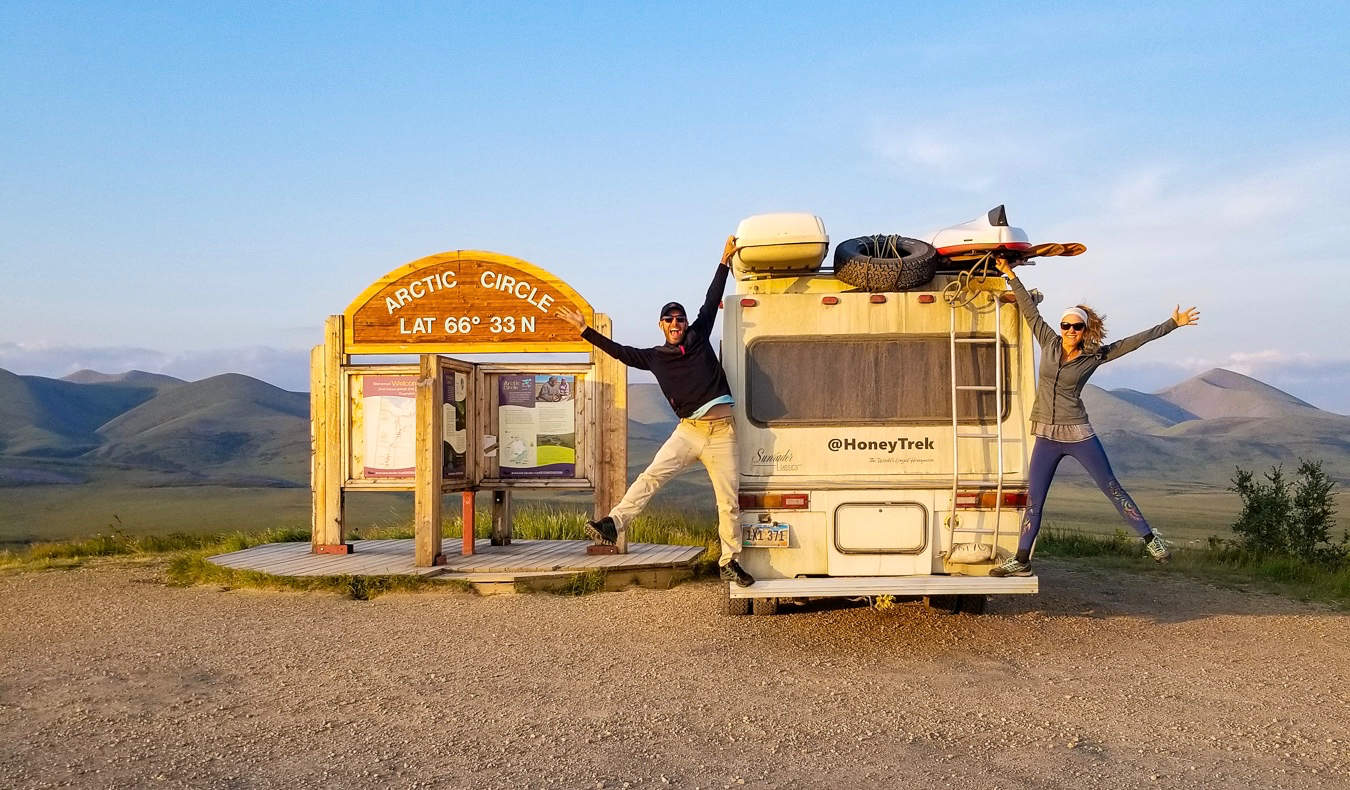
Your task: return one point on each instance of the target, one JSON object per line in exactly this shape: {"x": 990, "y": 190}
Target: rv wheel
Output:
{"x": 736, "y": 607}
{"x": 764, "y": 607}
{"x": 947, "y": 604}
{"x": 973, "y": 604}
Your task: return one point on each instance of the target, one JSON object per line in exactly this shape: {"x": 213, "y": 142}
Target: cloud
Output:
{"x": 1237, "y": 217}
{"x": 965, "y": 156}
{"x": 285, "y": 368}
{"x": 1253, "y": 245}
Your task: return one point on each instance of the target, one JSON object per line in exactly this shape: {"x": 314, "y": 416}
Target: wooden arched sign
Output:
{"x": 465, "y": 301}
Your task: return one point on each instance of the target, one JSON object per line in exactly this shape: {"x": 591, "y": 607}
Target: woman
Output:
{"x": 1059, "y": 421}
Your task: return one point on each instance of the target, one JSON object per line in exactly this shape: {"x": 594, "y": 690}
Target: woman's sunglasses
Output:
{"x": 674, "y": 319}
{"x": 1077, "y": 326}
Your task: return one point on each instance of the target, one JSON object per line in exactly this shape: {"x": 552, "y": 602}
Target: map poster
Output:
{"x": 390, "y": 421}
{"x": 455, "y": 430}
{"x": 536, "y": 426}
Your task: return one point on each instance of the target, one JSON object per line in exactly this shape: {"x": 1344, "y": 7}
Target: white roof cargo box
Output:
{"x": 784, "y": 242}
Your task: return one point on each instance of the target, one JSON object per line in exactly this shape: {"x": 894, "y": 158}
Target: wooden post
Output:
{"x": 325, "y": 402}
{"x": 466, "y": 528}
{"x": 317, "y": 479}
{"x": 427, "y": 494}
{"x": 611, "y": 478}
{"x": 501, "y": 517}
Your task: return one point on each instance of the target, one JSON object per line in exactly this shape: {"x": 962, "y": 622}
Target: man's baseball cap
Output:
{"x": 673, "y": 307}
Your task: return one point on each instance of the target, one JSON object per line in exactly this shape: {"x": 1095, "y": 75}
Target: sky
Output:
{"x": 191, "y": 188}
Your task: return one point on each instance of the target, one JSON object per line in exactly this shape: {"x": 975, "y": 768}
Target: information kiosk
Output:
{"x": 444, "y": 425}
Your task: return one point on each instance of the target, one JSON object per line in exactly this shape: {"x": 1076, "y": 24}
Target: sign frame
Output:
{"x": 587, "y": 415}
{"x": 452, "y": 344}
{"x": 601, "y": 387}
{"x": 351, "y": 376}
{"x": 447, "y": 368}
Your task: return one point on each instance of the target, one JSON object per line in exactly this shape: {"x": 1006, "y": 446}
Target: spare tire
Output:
{"x": 885, "y": 263}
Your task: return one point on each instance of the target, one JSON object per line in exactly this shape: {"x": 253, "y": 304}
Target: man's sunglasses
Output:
{"x": 674, "y": 319}
{"x": 1077, "y": 326}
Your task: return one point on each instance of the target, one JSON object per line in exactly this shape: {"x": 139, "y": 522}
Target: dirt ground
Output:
{"x": 108, "y": 678}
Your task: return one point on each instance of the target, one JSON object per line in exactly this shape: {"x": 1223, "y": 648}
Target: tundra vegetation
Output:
{"x": 1282, "y": 537}
{"x": 1282, "y": 541}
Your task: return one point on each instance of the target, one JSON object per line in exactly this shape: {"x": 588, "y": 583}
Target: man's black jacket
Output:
{"x": 689, "y": 373}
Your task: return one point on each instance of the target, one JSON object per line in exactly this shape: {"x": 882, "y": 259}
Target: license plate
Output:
{"x": 772, "y": 536}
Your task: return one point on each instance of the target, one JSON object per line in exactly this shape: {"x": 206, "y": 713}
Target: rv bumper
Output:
{"x": 849, "y": 586}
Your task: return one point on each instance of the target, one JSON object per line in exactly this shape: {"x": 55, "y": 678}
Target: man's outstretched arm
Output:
{"x": 708, "y": 312}
{"x": 632, "y": 357}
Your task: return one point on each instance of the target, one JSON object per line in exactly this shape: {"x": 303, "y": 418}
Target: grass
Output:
{"x": 584, "y": 583}
{"x": 186, "y": 564}
{"x": 185, "y": 555}
{"x": 1216, "y": 562}
{"x": 187, "y": 569}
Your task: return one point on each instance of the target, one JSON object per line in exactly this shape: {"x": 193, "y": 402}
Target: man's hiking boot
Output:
{"x": 733, "y": 572}
{"x": 602, "y": 531}
{"x": 1011, "y": 567}
{"x": 1157, "y": 548}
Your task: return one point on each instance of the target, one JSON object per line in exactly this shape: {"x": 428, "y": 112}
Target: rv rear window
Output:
{"x": 843, "y": 380}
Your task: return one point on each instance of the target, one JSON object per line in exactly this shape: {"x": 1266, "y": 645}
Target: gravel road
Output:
{"x": 108, "y": 678}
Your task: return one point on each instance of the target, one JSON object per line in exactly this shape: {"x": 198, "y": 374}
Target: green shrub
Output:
{"x": 1280, "y": 516}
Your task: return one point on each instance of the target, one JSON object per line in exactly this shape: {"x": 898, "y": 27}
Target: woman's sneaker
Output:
{"x": 602, "y": 531}
{"x": 1011, "y": 567}
{"x": 1157, "y": 549}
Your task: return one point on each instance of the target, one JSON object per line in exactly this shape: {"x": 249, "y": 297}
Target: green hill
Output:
{"x": 1200, "y": 429}
{"x": 164, "y": 454}
{"x": 1223, "y": 393}
{"x": 648, "y": 406}
{"x": 229, "y": 427}
{"x": 53, "y": 418}
{"x": 137, "y": 378}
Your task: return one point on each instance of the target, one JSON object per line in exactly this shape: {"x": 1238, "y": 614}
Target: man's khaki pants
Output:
{"x": 714, "y": 443}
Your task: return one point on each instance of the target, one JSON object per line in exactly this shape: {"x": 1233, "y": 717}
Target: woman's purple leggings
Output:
{"x": 1045, "y": 458}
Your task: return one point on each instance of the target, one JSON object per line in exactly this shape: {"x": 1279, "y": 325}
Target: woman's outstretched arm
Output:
{"x": 1044, "y": 333}
{"x": 1122, "y": 347}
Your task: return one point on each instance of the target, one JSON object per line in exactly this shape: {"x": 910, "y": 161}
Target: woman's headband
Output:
{"x": 1075, "y": 311}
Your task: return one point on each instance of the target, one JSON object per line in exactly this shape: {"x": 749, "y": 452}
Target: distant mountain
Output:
{"x": 1121, "y": 412}
{"x": 54, "y": 418}
{"x": 224, "y": 425}
{"x": 133, "y": 377}
{"x": 1220, "y": 393}
{"x": 236, "y": 430}
{"x": 648, "y": 406}
{"x": 228, "y": 429}
{"x": 1198, "y": 430}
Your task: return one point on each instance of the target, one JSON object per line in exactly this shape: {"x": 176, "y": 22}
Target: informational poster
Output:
{"x": 389, "y": 417}
{"x": 455, "y": 433}
{"x": 536, "y": 426}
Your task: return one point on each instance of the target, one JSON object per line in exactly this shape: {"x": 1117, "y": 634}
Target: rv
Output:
{"x": 884, "y": 437}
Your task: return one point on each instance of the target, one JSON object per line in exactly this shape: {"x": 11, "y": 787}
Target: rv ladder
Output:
{"x": 997, "y": 435}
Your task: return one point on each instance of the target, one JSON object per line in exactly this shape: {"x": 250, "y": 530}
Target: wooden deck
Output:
{"x": 522, "y": 560}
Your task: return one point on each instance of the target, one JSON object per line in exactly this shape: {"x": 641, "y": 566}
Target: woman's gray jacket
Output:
{"x": 1059, "y": 385}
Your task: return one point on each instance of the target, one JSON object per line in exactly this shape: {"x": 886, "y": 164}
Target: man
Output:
{"x": 551, "y": 390}
{"x": 691, "y": 377}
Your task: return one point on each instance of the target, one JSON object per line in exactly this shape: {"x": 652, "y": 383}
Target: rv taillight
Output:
{"x": 927, "y": 298}
{"x": 775, "y": 501}
{"x": 748, "y": 303}
{"x": 984, "y": 499}
{"x": 878, "y": 299}
{"x": 829, "y": 300}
